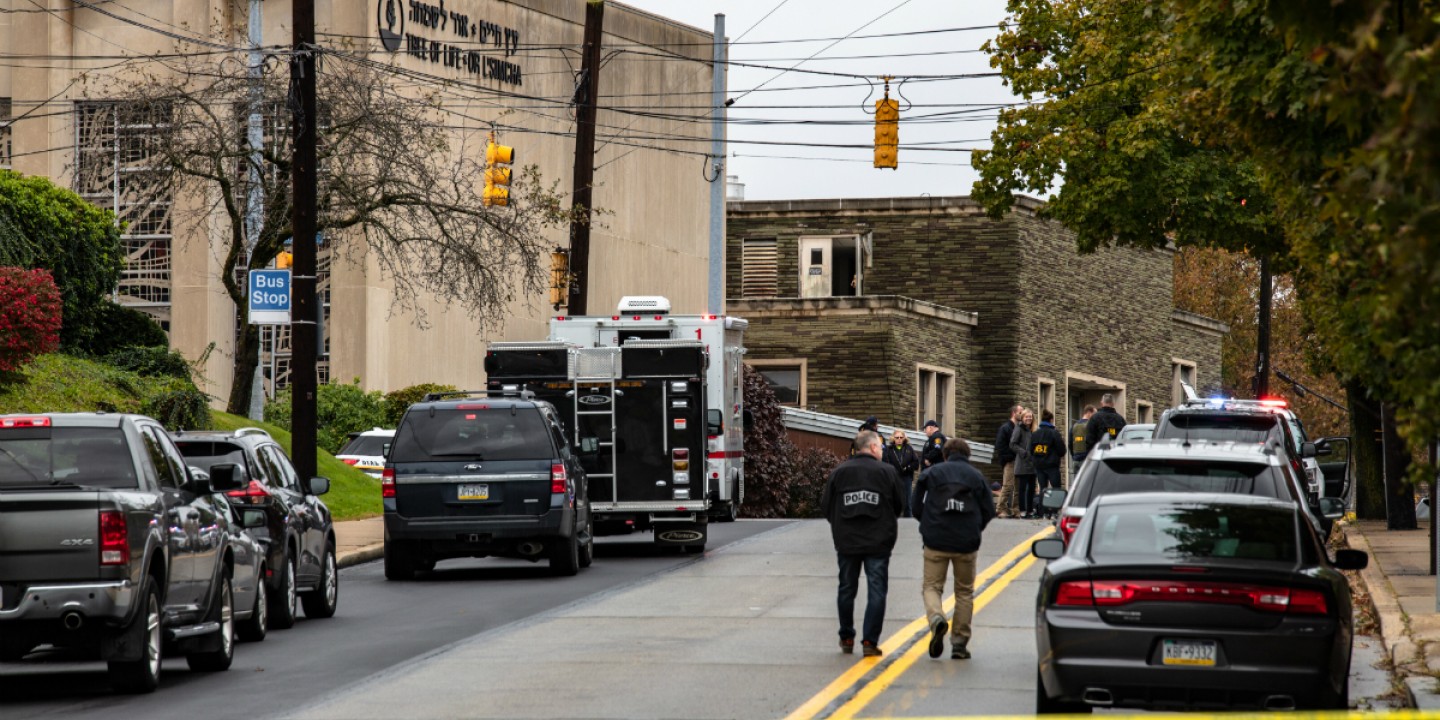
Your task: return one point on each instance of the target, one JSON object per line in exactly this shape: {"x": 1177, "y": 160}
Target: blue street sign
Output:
{"x": 269, "y": 297}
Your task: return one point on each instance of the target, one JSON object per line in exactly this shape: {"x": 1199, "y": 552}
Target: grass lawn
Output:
{"x": 353, "y": 494}
{"x": 61, "y": 383}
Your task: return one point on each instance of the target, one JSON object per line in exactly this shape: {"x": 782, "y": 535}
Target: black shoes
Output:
{"x": 869, "y": 649}
{"x": 847, "y": 646}
{"x": 938, "y": 628}
{"x": 958, "y": 652}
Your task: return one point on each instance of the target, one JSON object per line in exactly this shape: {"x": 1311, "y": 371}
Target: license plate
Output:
{"x": 1200, "y": 653}
{"x": 474, "y": 492}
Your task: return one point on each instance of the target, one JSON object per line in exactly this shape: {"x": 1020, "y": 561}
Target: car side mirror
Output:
{"x": 224, "y": 477}
{"x": 385, "y": 450}
{"x": 1308, "y": 450}
{"x": 1053, "y": 499}
{"x": 714, "y": 422}
{"x": 1351, "y": 560}
{"x": 588, "y": 445}
{"x": 1332, "y": 508}
{"x": 1048, "y": 549}
{"x": 747, "y": 420}
{"x": 251, "y": 519}
{"x": 319, "y": 485}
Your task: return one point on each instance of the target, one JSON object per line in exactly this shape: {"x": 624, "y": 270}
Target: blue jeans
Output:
{"x": 877, "y": 578}
{"x": 1025, "y": 488}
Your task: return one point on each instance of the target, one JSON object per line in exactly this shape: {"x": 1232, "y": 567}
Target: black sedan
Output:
{"x": 1193, "y": 601}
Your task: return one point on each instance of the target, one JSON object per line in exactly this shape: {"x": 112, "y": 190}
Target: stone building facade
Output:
{"x": 510, "y": 62}
{"x": 878, "y": 297}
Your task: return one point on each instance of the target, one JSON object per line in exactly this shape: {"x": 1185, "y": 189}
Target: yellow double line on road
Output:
{"x": 1016, "y": 559}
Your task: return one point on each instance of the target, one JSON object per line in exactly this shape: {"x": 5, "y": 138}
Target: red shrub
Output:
{"x": 29, "y": 316}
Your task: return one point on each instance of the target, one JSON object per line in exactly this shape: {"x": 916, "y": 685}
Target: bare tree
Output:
{"x": 400, "y": 185}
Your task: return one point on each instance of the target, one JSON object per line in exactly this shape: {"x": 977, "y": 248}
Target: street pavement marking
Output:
{"x": 1407, "y": 714}
{"x": 817, "y": 705}
{"x": 873, "y": 689}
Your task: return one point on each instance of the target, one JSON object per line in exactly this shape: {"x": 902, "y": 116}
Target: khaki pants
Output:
{"x": 1007, "y": 505}
{"x": 937, "y": 562}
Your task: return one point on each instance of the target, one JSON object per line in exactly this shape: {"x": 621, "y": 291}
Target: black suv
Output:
{"x": 476, "y": 474}
{"x": 299, "y": 533}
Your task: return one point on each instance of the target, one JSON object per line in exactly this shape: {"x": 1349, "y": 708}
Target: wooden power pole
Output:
{"x": 304, "y": 176}
{"x": 587, "y": 96}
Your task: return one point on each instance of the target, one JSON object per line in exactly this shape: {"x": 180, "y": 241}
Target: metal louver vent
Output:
{"x": 760, "y": 274}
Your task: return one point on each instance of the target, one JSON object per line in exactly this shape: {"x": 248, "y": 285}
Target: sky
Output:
{"x": 962, "y": 110}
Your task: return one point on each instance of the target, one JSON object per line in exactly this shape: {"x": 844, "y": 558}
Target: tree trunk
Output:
{"x": 1366, "y": 453}
{"x": 247, "y": 353}
{"x": 1400, "y": 511}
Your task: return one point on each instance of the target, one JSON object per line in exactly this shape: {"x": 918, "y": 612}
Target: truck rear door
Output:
{"x": 52, "y": 487}
{"x": 660, "y": 423}
{"x": 473, "y": 461}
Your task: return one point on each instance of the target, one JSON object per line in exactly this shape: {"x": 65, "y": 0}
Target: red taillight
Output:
{"x": 559, "y": 479}
{"x": 472, "y": 406}
{"x": 1112, "y": 593}
{"x": 1068, "y": 524}
{"x": 24, "y": 422}
{"x": 349, "y": 461}
{"x": 1074, "y": 593}
{"x": 387, "y": 483}
{"x": 680, "y": 454}
{"x": 253, "y": 494}
{"x": 114, "y": 538}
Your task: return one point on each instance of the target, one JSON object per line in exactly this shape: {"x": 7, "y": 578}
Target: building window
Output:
{"x": 114, "y": 146}
{"x": 1181, "y": 371}
{"x": 832, "y": 267}
{"x": 785, "y": 377}
{"x": 934, "y": 396}
{"x": 760, "y": 275}
{"x": 1045, "y": 399}
{"x": 1144, "y": 412}
{"x": 7, "y": 150}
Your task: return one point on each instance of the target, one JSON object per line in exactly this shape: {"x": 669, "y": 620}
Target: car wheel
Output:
{"x": 322, "y": 601}
{"x": 283, "y": 604}
{"x": 224, "y": 613}
{"x": 732, "y": 511}
{"x": 565, "y": 556}
{"x": 399, "y": 563}
{"x": 143, "y": 675}
{"x": 253, "y": 630}
{"x": 1045, "y": 705}
{"x": 587, "y": 551}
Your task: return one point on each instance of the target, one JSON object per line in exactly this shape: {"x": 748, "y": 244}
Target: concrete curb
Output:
{"x": 361, "y": 555}
{"x": 1399, "y": 646}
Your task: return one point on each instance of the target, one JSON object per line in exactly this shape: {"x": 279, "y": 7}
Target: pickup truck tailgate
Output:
{"x": 49, "y": 536}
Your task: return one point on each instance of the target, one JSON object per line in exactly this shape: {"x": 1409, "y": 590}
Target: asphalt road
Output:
{"x": 380, "y": 626}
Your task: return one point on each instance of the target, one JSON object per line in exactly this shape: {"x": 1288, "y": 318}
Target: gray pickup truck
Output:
{"x": 108, "y": 544}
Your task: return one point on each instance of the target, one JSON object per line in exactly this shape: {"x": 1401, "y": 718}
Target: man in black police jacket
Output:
{"x": 861, "y": 500}
{"x": 1104, "y": 425}
{"x": 953, "y": 503}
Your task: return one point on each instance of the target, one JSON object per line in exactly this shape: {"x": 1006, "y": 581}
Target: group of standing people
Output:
{"x": 867, "y": 494}
{"x": 863, "y": 501}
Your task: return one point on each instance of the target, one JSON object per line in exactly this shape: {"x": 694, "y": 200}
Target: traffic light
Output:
{"x": 497, "y": 173}
{"x": 887, "y": 133}
{"x": 559, "y": 278}
{"x": 284, "y": 260}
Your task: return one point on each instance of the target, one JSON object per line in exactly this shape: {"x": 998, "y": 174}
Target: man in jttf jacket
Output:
{"x": 953, "y": 503}
{"x": 861, "y": 500}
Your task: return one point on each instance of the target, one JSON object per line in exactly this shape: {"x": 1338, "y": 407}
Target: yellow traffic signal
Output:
{"x": 559, "y": 278}
{"x": 284, "y": 260}
{"x": 887, "y": 133}
{"x": 497, "y": 176}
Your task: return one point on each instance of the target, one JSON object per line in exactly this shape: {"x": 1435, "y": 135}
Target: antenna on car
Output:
{"x": 1186, "y": 444}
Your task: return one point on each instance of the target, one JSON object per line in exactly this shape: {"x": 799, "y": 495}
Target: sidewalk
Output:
{"x": 1404, "y": 595}
{"x": 359, "y": 541}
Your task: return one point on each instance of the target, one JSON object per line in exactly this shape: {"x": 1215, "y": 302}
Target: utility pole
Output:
{"x": 1262, "y": 335}
{"x": 304, "y": 176}
{"x": 255, "y": 200}
{"x": 587, "y": 95}
{"x": 717, "y": 164}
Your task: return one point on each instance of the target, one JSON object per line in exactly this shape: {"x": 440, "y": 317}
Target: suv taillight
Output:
{"x": 387, "y": 483}
{"x": 253, "y": 494}
{"x": 114, "y": 538}
{"x": 559, "y": 479}
{"x": 1068, "y": 523}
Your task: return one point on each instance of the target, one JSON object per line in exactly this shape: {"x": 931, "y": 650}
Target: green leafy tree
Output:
{"x": 46, "y": 226}
{"x": 339, "y": 411}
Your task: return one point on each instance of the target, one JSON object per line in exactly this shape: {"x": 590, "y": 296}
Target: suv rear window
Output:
{"x": 373, "y": 445}
{"x": 480, "y": 434}
{"x": 91, "y": 457}
{"x": 1187, "y": 533}
{"x": 203, "y": 453}
{"x": 1116, "y": 476}
{"x": 1218, "y": 428}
